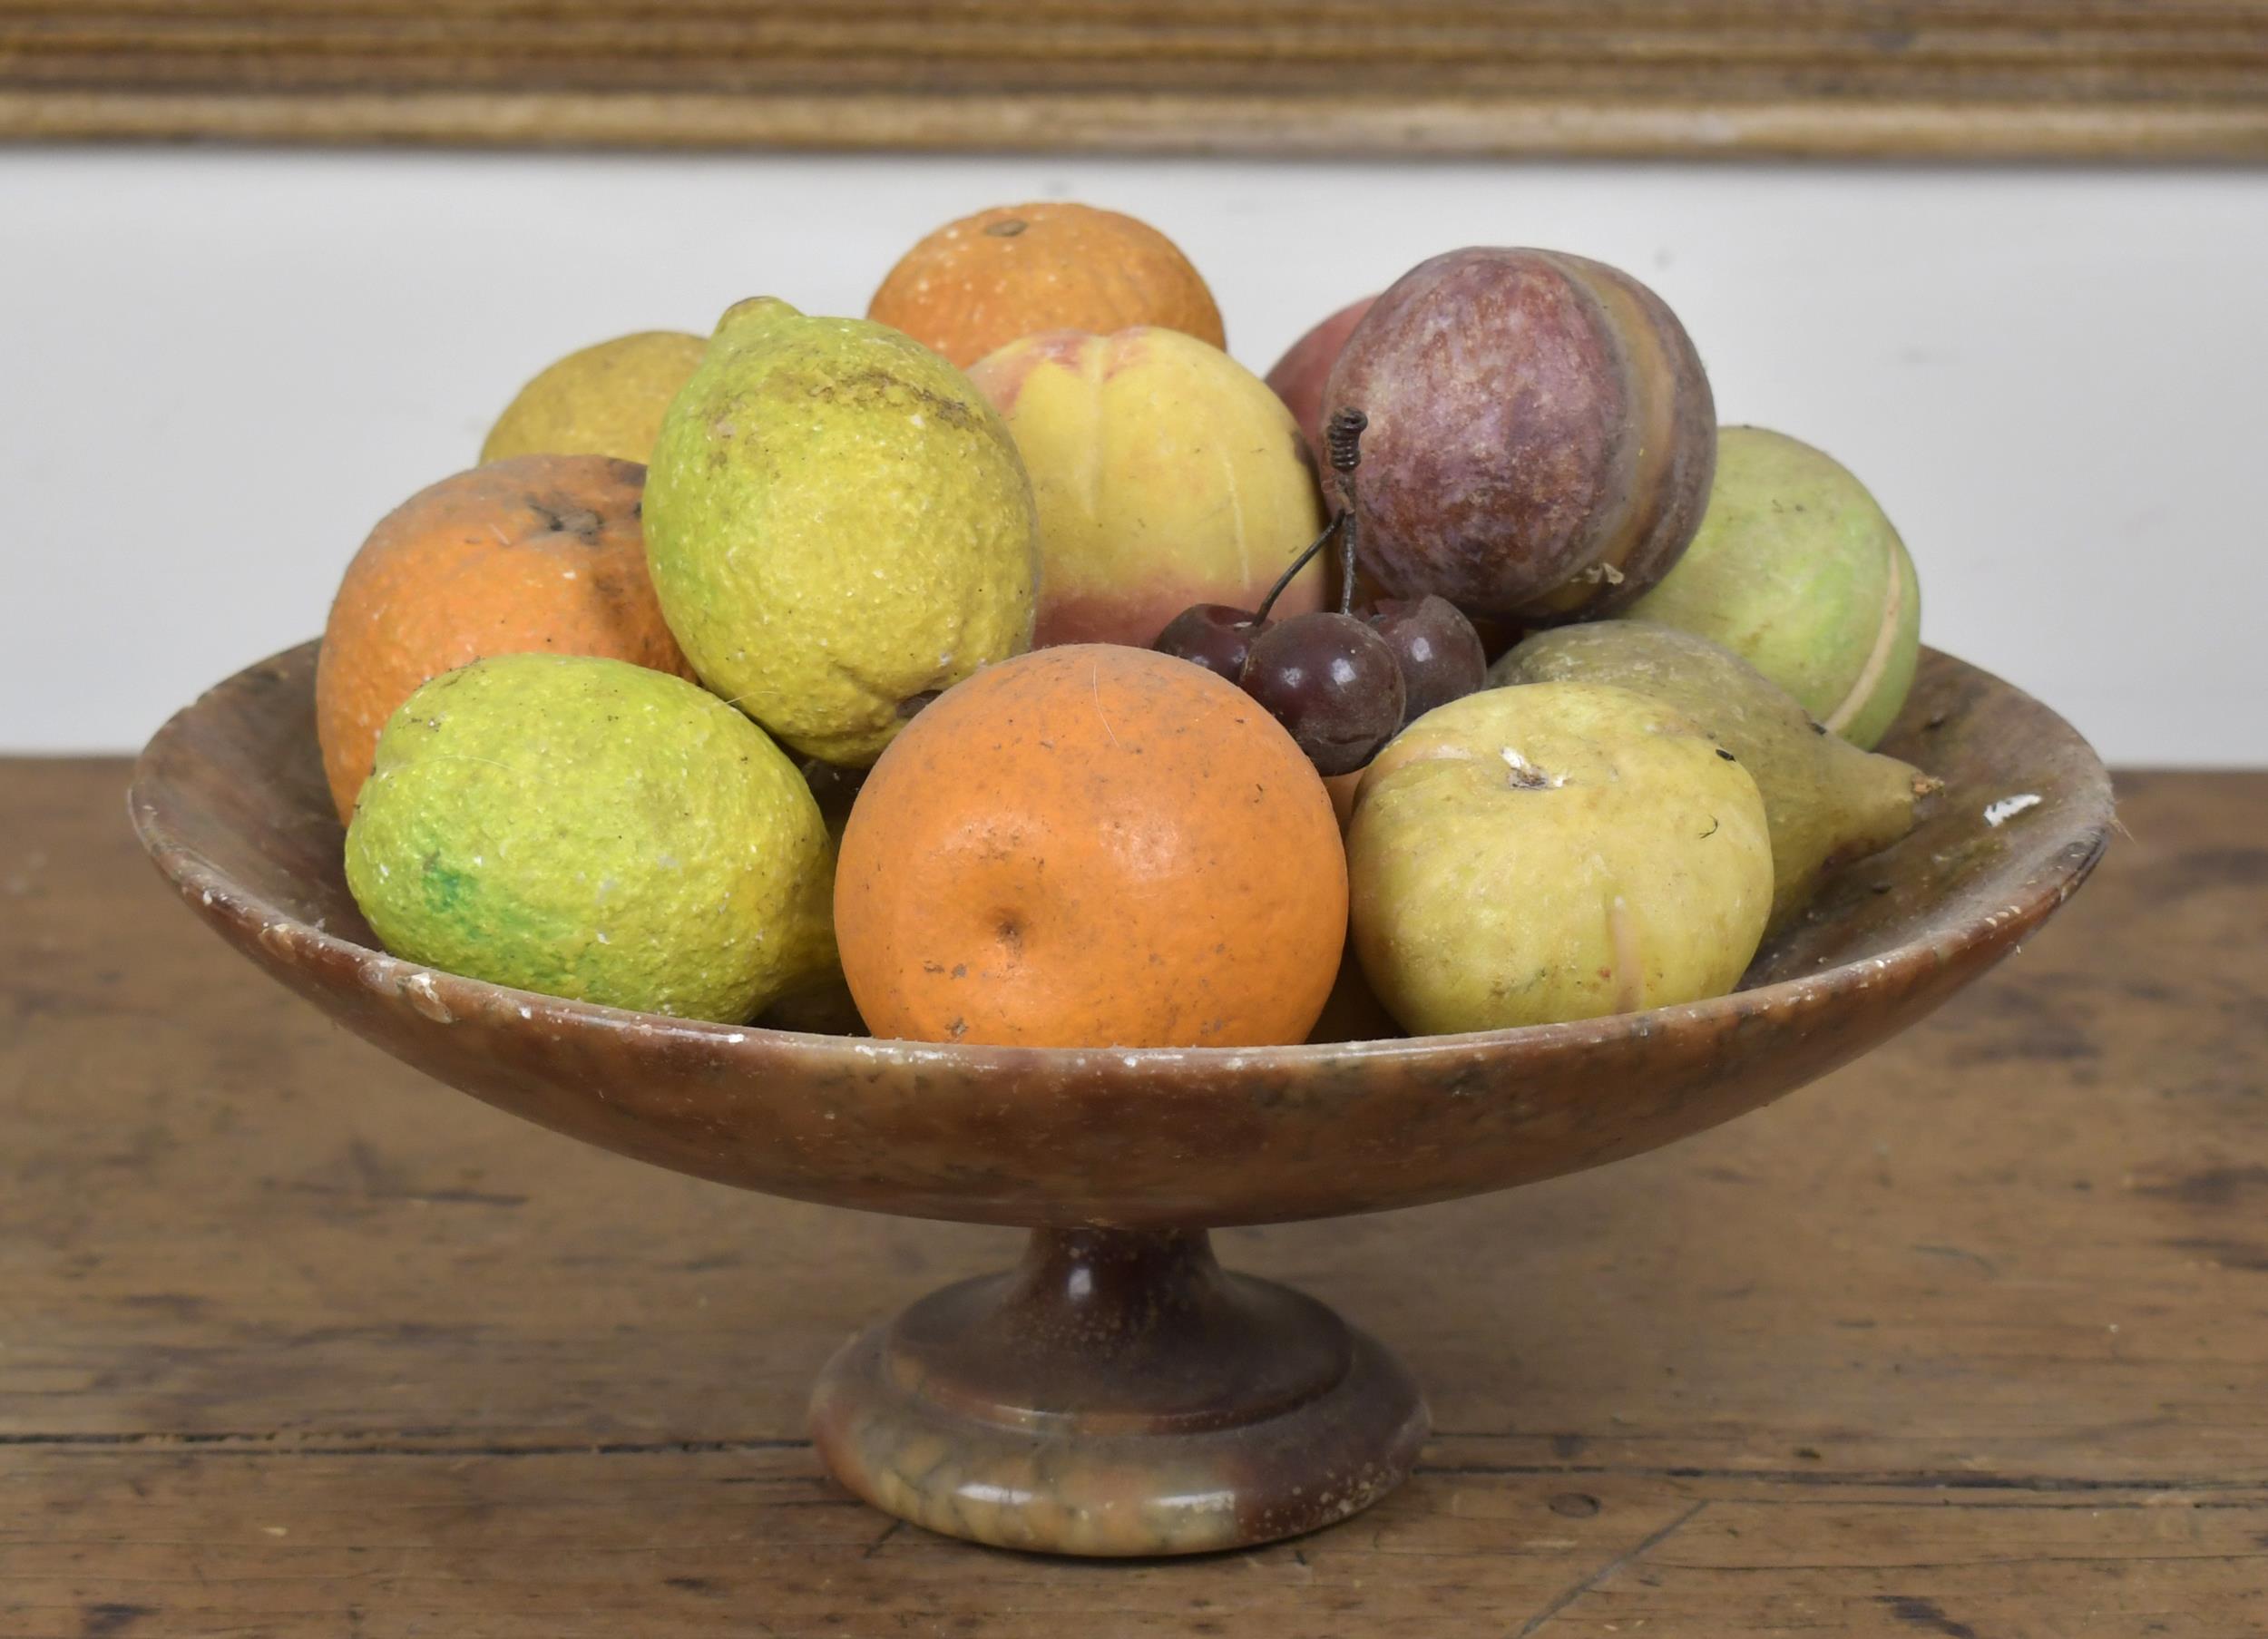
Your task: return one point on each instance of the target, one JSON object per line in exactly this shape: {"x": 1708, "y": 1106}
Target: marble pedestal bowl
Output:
{"x": 1120, "y": 1393}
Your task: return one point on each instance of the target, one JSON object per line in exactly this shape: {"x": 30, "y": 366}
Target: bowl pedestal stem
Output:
{"x": 1118, "y": 1393}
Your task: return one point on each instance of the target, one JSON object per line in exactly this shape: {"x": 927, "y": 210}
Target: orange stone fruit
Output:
{"x": 1092, "y": 846}
{"x": 977, "y": 284}
{"x": 533, "y": 553}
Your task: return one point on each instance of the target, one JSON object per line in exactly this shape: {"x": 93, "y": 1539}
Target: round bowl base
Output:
{"x": 1118, "y": 1394}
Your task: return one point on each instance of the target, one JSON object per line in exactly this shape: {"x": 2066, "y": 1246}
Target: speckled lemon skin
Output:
{"x": 1797, "y": 570}
{"x": 1617, "y": 859}
{"x": 836, "y": 522}
{"x": 591, "y": 829}
{"x": 602, "y": 400}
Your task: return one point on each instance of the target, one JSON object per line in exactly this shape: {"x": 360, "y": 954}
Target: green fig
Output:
{"x": 838, "y": 526}
{"x": 1827, "y": 802}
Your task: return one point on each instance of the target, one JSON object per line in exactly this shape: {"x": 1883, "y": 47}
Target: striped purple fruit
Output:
{"x": 1541, "y": 435}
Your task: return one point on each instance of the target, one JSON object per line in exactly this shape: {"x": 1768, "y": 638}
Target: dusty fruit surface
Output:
{"x": 1797, "y": 570}
{"x": 1092, "y": 846}
{"x": 838, "y": 526}
{"x": 1554, "y": 851}
{"x": 1437, "y": 648}
{"x": 602, "y": 400}
{"x": 537, "y": 553}
{"x": 594, "y": 830}
{"x": 1300, "y": 376}
{"x": 1540, "y": 439}
{"x": 1827, "y": 802}
{"x": 977, "y": 284}
{"x": 1212, "y": 635}
{"x": 1167, "y": 475}
{"x": 1332, "y": 682}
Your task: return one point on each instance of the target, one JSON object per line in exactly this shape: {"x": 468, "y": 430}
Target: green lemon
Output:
{"x": 605, "y": 400}
{"x": 591, "y": 829}
{"x": 839, "y": 525}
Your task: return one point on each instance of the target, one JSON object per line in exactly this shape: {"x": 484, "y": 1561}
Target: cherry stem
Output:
{"x": 1343, "y": 439}
{"x": 1298, "y": 564}
{"x": 1346, "y": 561}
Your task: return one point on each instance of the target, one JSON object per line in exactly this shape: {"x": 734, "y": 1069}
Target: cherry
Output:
{"x": 1332, "y": 682}
{"x": 1436, "y": 648}
{"x": 1220, "y": 638}
{"x": 1214, "y": 636}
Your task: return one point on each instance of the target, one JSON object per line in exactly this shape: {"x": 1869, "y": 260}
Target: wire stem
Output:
{"x": 1343, "y": 440}
{"x": 1298, "y": 564}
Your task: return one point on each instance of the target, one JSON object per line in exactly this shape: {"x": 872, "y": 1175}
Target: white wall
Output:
{"x": 219, "y": 368}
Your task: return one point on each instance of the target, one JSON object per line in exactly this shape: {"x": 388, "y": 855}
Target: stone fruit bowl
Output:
{"x": 1119, "y": 1393}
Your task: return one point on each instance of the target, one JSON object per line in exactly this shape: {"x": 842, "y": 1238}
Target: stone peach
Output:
{"x": 1165, "y": 473}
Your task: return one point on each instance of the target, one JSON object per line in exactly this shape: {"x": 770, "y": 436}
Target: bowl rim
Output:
{"x": 2059, "y": 872}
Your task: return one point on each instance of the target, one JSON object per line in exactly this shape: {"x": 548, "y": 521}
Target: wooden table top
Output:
{"x": 1970, "y": 1340}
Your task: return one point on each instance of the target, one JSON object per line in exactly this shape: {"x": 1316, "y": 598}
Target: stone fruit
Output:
{"x": 1167, "y": 473}
{"x": 537, "y": 552}
{"x": 1826, "y": 801}
{"x": 1299, "y": 376}
{"x": 1541, "y": 434}
{"x": 605, "y": 400}
{"x": 1220, "y": 637}
{"x": 1796, "y": 571}
{"x": 975, "y": 285}
{"x": 1092, "y": 846}
{"x": 593, "y": 830}
{"x": 1435, "y": 646}
{"x": 1214, "y": 636}
{"x": 838, "y": 526}
{"x": 1554, "y": 851}
{"x": 1332, "y": 682}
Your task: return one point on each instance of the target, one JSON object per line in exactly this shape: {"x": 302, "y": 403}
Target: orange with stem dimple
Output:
{"x": 1092, "y": 846}
{"x": 975, "y": 285}
{"x": 530, "y": 554}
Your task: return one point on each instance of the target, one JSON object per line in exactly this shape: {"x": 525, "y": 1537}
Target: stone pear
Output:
{"x": 1827, "y": 803}
{"x": 1556, "y": 851}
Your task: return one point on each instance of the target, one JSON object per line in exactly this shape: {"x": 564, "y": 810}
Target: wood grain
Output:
{"x": 2117, "y": 79}
{"x": 1972, "y": 1337}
